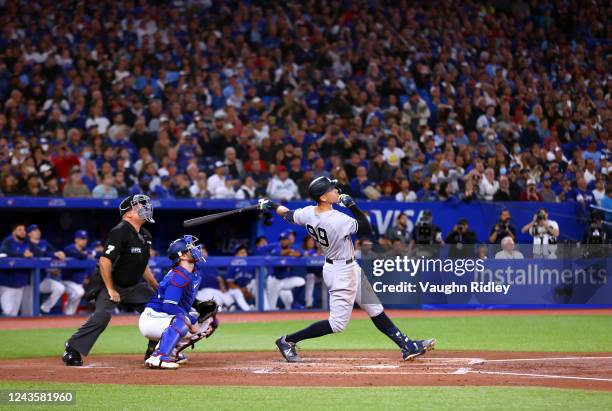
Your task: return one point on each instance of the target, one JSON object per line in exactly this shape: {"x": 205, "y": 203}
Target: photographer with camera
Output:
{"x": 502, "y": 228}
{"x": 425, "y": 235}
{"x": 463, "y": 240}
{"x": 595, "y": 237}
{"x": 544, "y": 233}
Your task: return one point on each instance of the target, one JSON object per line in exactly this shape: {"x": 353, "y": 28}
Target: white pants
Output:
{"x": 311, "y": 279}
{"x": 282, "y": 288}
{"x": 238, "y": 298}
{"x": 218, "y": 296}
{"x": 53, "y": 287}
{"x": 75, "y": 294}
{"x": 347, "y": 285}
{"x": 10, "y": 300}
{"x": 254, "y": 290}
{"x": 152, "y": 325}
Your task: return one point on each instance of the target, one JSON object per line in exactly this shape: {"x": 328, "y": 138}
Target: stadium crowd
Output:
{"x": 457, "y": 101}
{"x": 407, "y": 101}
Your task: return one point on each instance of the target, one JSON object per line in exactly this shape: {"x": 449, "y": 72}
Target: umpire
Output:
{"x": 123, "y": 263}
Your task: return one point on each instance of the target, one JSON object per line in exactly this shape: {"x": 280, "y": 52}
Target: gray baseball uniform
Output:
{"x": 343, "y": 277}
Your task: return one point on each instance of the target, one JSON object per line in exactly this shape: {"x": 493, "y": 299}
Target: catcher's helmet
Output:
{"x": 320, "y": 186}
{"x": 184, "y": 245}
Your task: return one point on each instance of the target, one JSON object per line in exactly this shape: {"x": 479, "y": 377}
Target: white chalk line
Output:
{"x": 564, "y": 377}
{"x": 549, "y": 359}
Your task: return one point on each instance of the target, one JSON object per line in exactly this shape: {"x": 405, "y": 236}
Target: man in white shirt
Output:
{"x": 392, "y": 154}
{"x": 281, "y": 186}
{"x": 545, "y": 233}
{"x": 508, "y": 252}
{"x": 217, "y": 180}
{"x": 488, "y": 185}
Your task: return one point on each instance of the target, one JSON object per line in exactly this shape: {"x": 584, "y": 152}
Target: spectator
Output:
{"x": 530, "y": 193}
{"x": 488, "y": 185}
{"x": 217, "y": 180}
{"x": 508, "y": 252}
{"x": 405, "y": 194}
{"x": 281, "y": 186}
{"x": 106, "y": 189}
{"x": 14, "y": 282}
{"x": 182, "y": 188}
{"x": 75, "y": 186}
{"x": 599, "y": 192}
{"x": 546, "y": 191}
{"x": 502, "y": 228}
{"x": 581, "y": 194}
{"x": 199, "y": 187}
{"x": 545, "y": 233}
{"x": 503, "y": 193}
{"x": 165, "y": 190}
{"x": 234, "y": 164}
{"x": 399, "y": 231}
{"x": 248, "y": 190}
{"x": 392, "y": 154}
{"x": 360, "y": 184}
{"x": 606, "y": 204}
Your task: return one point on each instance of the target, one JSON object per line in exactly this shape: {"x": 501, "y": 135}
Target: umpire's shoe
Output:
{"x": 288, "y": 350}
{"x": 417, "y": 347}
{"x": 72, "y": 357}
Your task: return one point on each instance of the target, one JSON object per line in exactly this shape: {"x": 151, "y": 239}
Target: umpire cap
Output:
{"x": 320, "y": 186}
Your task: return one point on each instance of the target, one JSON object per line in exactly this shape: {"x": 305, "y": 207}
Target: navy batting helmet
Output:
{"x": 320, "y": 186}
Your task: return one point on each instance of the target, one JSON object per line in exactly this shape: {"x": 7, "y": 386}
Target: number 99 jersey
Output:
{"x": 332, "y": 230}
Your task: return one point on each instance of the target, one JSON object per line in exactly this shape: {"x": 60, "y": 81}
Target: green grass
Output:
{"x": 107, "y": 397}
{"x": 520, "y": 333}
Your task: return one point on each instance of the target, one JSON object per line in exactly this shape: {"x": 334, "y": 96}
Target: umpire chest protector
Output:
{"x": 129, "y": 252}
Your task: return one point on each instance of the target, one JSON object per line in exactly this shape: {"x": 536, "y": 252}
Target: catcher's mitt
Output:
{"x": 206, "y": 309}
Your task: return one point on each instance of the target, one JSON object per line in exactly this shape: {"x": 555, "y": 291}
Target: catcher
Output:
{"x": 174, "y": 320}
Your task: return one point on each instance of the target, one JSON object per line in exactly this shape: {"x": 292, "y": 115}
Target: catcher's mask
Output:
{"x": 184, "y": 245}
{"x": 143, "y": 206}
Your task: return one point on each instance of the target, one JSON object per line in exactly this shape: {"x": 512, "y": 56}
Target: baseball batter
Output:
{"x": 342, "y": 275}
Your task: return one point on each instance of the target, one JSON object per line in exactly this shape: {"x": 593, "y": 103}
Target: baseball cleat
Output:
{"x": 288, "y": 350}
{"x": 72, "y": 357}
{"x": 161, "y": 361}
{"x": 417, "y": 347}
{"x": 181, "y": 358}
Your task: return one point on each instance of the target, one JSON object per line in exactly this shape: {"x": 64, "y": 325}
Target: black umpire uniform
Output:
{"x": 129, "y": 251}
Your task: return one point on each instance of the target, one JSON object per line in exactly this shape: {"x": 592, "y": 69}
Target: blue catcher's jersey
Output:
{"x": 178, "y": 289}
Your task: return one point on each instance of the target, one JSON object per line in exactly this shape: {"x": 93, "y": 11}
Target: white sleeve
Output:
{"x": 299, "y": 217}
{"x": 348, "y": 225}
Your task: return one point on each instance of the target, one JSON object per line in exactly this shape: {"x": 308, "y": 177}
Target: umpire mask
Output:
{"x": 142, "y": 204}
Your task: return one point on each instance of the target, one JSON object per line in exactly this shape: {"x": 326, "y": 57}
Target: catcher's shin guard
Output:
{"x": 177, "y": 329}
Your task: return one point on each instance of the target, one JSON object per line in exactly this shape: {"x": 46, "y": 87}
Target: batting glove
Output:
{"x": 264, "y": 204}
{"x": 346, "y": 200}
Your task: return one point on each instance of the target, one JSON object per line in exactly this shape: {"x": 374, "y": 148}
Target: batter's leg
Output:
{"x": 369, "y": 302}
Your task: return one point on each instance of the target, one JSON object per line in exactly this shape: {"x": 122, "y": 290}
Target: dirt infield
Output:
{"x": 336, "y": 369}
{"x": 242, "y": 317}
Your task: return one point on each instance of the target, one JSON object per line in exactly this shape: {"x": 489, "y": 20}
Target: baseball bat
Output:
{"x": 212, "y": 217}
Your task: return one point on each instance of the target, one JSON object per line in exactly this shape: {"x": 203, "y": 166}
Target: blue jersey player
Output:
{"x": 170, "y": 317}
